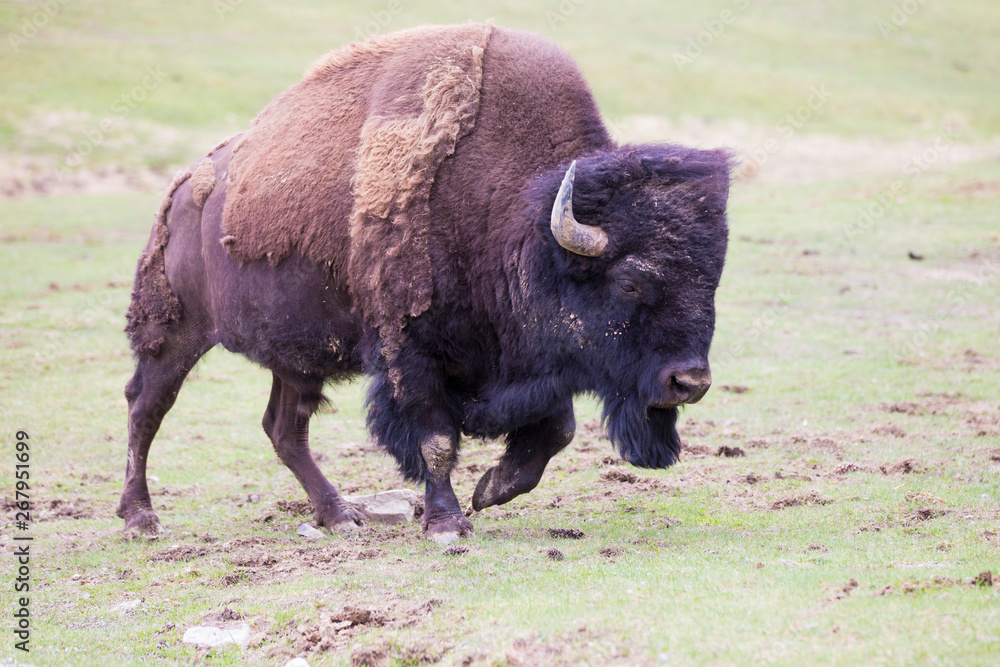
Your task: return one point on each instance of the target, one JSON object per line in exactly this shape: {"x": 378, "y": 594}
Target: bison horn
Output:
{"x": 586, "y": 240}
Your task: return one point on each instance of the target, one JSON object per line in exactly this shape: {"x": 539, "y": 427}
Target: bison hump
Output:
{"x": 341, "y": 165}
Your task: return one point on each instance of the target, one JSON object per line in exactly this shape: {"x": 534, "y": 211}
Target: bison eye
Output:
{"x": 627, "y": 287}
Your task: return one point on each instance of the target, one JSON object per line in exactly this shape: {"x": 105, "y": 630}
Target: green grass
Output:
{"x": 853, "y": 355}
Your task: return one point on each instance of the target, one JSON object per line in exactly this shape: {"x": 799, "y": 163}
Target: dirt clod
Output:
{"x": 611, "y": 552}
{"x": 925, "y": 514}
{"x": 984, "y": 579}
{"x": 730, "y": 452}
{"x": 695, "y": 450}
{"x": 567, "y": 533}
{"x": 846, "y": 589}
{"x": 798, "y": 501}
{"x": 297, "y": 507}
{"x": 889, "y": 429}
{"x": 554, "y": 554}
{"x": 369, "y": 656}
{"x": 904, "y": 467}
{"x": 179, "y": 552}
{"x": 735, "y": 388}
{"x": 618, "y": 475}
{"x": 456, "y": 550}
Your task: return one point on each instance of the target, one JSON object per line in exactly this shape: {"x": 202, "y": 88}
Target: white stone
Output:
{"x": 209, "y": 637}
{"x": 297, "y": 662}
{"x": 310, "y": 533}
{"x": 396, "y": 506}
{"x": 128, "y": 605}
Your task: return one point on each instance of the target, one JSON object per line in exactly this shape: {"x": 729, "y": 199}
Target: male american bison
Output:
{"x": 443, "y": 210}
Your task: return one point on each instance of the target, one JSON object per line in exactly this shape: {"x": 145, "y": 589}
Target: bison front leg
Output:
{"x": 443, "y": 519}
{"x": 528, "y": 452}
{"x": 286, "y": 423}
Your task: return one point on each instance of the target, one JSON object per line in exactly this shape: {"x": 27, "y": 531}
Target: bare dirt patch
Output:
{"x": 889, "y": 430}
{"x": 58, "y": 509}
{"x": 982, "y": 580}
{"x": 334, "y": 630}
{"x": 179, "y": 552}
{"x": 619, "y": 475}
{"x": 300, "y": 507}
{"x": 695, "y": 451}
{"x": 799, "y": 501}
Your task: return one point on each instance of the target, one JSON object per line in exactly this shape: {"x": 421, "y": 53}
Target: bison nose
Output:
{"x": 683, "y": 386}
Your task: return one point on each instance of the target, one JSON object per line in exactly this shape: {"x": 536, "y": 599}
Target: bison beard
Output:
{"x": 441, "y": 209}
{"x": 645, "y": 437}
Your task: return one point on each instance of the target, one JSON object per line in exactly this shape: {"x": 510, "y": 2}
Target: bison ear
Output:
{"x": 586, "y": 240}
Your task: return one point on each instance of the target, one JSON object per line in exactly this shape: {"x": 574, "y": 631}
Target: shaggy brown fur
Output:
{"x": 202, "y": 181}
{"x": 152, "y": 298}
{"x": 376, "y": 119}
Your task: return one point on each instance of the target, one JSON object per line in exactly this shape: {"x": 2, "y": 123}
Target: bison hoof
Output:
{"x": 340, "y": 518}
{"x": 448, "y": 529}
{"x": 497, "y": 487}
{"x": 143, "y": 522}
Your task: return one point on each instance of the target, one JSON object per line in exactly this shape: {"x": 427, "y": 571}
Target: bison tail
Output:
{"x": 153, "y": 301}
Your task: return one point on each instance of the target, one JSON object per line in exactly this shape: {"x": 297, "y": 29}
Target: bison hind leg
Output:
{"x": 286, "y": 422}
{"x": 151, "y": 393}
{"x": 529, "y": 449}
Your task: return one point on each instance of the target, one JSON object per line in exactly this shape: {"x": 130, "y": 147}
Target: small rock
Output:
{"x": 396, "y": 506}
{"x": 253, "y": 498}
{"x": 308, "y": 532}
{"x": 297, "y": 662}
{"x": 209, "y": 637}
{"x": 128, "y": 605}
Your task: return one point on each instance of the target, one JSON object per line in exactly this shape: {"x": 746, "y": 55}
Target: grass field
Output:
{"x": 838, "y": 501}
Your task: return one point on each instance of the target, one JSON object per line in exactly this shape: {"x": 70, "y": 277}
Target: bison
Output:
{"x": 443, "y": 210}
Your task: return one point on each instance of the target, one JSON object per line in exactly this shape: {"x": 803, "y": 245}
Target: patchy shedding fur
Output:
{"x": 153, "y": 301}
{"x": 360, "y": 139}
{"x": 202, "y": 182}
{"x": 152, "y": 298}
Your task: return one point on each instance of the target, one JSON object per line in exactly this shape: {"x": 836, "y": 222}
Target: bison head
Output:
{"x": 638, "y": 239}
